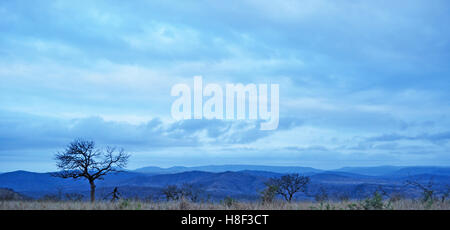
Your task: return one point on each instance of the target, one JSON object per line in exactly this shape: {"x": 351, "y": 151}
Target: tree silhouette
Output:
{"x": 428, "y": 191}
{"x": 171, "y": 192}
{"x": 288, "y": 185}
{"x": 81, "y": 159}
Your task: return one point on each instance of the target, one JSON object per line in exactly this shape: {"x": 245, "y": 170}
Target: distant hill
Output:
{"x": 36, "y": 184}
{"x": 233, "y": 168}
{"x": 371, "y": 171}
{"x": 237, "y": 184}
{"x": 338, "y": 177}
{"x": 430, "y": 170}
{"x": 397, "y": 171}
{"x": 218, "y": 182}
{"x": 9, "y": 194}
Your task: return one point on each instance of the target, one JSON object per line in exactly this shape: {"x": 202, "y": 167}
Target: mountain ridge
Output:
{"x": 244, "y": 184}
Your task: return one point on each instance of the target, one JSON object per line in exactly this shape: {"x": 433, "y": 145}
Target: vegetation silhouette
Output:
{"x": 81, "y": 159}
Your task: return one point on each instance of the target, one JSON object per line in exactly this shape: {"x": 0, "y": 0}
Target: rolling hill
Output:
{"x": 218, "y": 182}
{"x": 224, "y": 168}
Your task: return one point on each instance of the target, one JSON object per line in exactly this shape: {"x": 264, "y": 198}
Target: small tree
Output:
{"x": 82, "y": 159}
{"x": 445, "y": 193}
{"x": 185, "y": 191}
{"x": 288, "y": 185}
{"x": 321, "y": 195}
{"x": 171, "y": 192}
{"x": 428, "y": 192}
{"x": 190, "y": 191}
{"x": 269, "y": 193}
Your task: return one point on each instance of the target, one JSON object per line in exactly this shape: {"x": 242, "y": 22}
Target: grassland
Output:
{"x": 234, "y": 205}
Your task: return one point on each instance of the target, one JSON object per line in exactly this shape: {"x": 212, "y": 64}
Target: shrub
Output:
{"x": 228, "y": 201}
{"x": 268, "y": 194}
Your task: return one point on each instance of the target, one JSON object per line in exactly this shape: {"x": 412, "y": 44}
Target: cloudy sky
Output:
{"x": 362, "y": 83}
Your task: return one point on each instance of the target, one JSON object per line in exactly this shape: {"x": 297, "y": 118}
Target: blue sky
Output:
{"x": 362, "y": 83}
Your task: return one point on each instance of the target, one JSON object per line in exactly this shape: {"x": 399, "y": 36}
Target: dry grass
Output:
{"x": 185, "y": 205}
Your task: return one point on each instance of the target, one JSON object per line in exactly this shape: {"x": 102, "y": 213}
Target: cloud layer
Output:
{"x": 361, "y": 83}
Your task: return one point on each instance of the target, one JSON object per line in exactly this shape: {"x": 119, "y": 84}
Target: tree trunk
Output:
{"x": 92, "y": 191}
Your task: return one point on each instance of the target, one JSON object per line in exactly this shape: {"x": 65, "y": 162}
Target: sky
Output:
{"x": 362, "y": 83}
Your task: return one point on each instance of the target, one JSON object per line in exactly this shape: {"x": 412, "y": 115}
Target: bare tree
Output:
{"x": 445, "y": 194}
{"x": 171, "y": 192}
{"x": 428, "y": 192}
{"x": 190, "y": 191}
{"x": 269, "y": 193}
{"x": 288, "y": 185}
{"x": 81, "y": 159}
{"x": 321, "y": 195}
{"x": 185, "y": 191}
